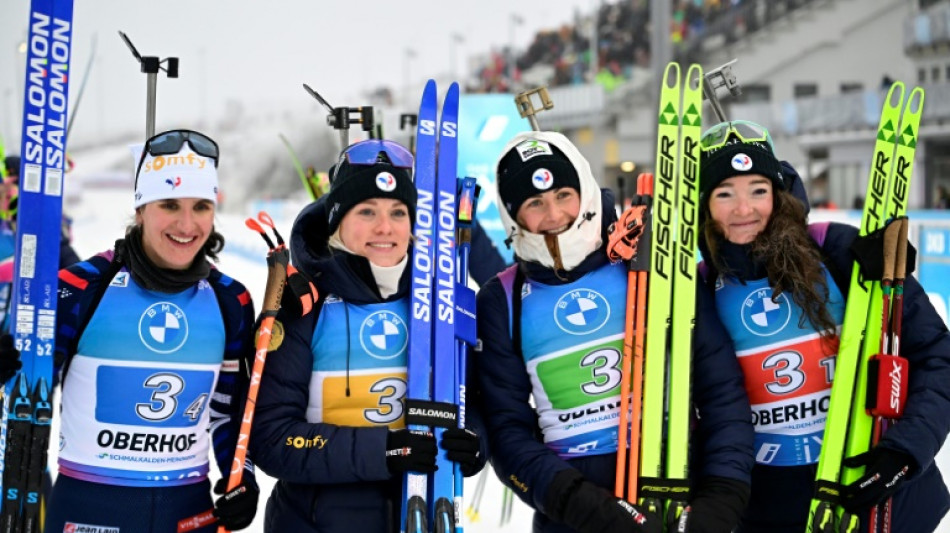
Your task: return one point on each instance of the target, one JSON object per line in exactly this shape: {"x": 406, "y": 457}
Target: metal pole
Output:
{"x": 150, "y": 104}
{"x": 660, "y": 52}
{"x": 713, "y": 100}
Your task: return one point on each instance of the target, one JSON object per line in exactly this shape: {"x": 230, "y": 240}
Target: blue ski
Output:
{"x": 35, "y": 288}
{"x": 415, "y": 486}
{"x": 445, "y": 385}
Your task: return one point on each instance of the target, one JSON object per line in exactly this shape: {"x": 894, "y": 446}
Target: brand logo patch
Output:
{"x": 529, "y": 149}
{"x": 175, "y": 183}
{"x": 73, "y": 527}
{"x": 163, "y": 327}
{"x": 763, "y": 317}
{"x": 386, "y": 182}
{"x": 581, "y": 311}
{"x": 542, "y": 179}
{"x": 384, "y": 335}
{"x": 741, "y": 162}
{"x": 120, "y": 280}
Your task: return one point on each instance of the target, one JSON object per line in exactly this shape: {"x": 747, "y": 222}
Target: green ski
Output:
{"x": 664, "y": 486}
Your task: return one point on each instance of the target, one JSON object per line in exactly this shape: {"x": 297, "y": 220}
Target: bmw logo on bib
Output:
{"x": 163, "y": 327}
{"x": 763, "y": 317}
{"x": 582, "y": 311}
{"x": 383, "y": 335}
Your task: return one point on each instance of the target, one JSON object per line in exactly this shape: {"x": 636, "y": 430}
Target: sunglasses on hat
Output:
{"x": 373, "y": 151}
{"x": 171, "y": 142}
{"x": 747, "y": 132}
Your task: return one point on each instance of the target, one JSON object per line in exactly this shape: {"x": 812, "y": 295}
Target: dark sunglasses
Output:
{"x": 170, "y": 142}
{"x": 717, "y": 136}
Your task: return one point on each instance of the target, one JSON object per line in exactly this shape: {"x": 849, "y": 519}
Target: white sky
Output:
{"x": 260, "y": 52}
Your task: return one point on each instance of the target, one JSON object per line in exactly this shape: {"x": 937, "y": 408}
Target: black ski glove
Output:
{"x": 410, "y": 450}
{"x": 9, "y": 358}
{"x": 885, "y": 470}
{"x": 236, "y": 509}
{"x": 462, "y": 446}
{"x": 716, "y": 507}
{"x": 588, "y": 508}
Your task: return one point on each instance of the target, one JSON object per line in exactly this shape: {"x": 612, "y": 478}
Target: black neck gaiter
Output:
{"x": 154, "y": 278}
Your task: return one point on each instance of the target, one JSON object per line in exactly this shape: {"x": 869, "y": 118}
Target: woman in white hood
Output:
{"x": 563, "y": 304}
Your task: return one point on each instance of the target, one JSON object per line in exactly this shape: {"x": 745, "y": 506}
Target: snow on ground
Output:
{"x": 102, "y": 212}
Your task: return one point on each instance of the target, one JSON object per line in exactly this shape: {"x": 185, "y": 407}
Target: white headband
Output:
{"x": 182, "y": 175}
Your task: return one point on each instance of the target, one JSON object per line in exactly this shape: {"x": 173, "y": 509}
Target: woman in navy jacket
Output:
{"x": 781, "y": 293}
{"x": 558, "y": 453}
{"x": 330, "y": 422}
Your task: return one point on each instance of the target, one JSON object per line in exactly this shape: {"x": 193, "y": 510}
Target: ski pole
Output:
{"x": 629, "y": 240}
{"x": 507, "y": 499}
{"x": 309, "y": 185}
{"x": 889, "y": 368}
{"x": 278, "y": 269}
{"x": 464, "y": 299}
{"x": 476, "y": 502}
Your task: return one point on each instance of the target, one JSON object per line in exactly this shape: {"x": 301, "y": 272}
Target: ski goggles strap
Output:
{"x": 368, "y": 153}
{"x": 717, "y": 136}
{"x": 171, "y": 142}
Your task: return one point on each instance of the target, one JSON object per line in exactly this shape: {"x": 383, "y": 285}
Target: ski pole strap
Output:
{"x": 428, "y": 413}
{"x": 662, "y": 488}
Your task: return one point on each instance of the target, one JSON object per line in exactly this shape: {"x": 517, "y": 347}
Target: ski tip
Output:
{"x": 695, "y": 76}
{"x": 671, "y": 76}
{"x": 895, "y": 95}
{"x": 915, "y": 102}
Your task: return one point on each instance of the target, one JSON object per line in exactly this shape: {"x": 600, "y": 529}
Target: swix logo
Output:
{"x": 542, "y": 179}
{"x": 896, "y": 379}
{"x": 174, "y": 183}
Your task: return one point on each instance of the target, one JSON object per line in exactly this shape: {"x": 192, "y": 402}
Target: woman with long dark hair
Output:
{"x": 780, "y": 288}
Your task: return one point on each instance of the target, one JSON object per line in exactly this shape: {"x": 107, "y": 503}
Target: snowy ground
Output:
{"x": 100, "y": 216}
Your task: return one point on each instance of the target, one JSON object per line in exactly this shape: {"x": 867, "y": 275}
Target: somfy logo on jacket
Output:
{"x": 163, "y": 327}
{"x": 581, "y": 311}
{"x": 763, "y": 317}
{"x": 383, "y": 335}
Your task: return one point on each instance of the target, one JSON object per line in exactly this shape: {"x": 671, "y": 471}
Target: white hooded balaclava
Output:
{"x": 522, "y": 160}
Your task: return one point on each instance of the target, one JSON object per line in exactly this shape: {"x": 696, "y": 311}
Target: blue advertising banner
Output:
{"x": 486, "y": 123}
{"x": 933, "y": 265}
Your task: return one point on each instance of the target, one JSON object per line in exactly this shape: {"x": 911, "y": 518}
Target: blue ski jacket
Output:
{"x": 722, "y": 432}
{"x": 101, "y": 278}
{"x": 781, "y": 495}
{"x": 332, "y": 478}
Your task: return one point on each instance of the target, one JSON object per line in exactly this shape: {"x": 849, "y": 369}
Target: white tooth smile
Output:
{"x": 181, "y": 240}
{"x": 382, "y": 245}
{"x": 556, "y": 231}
